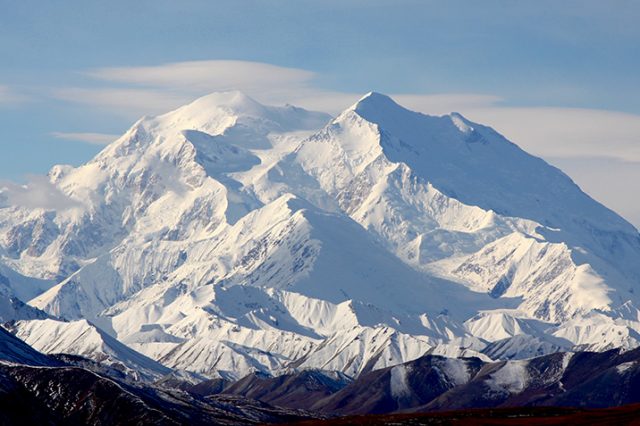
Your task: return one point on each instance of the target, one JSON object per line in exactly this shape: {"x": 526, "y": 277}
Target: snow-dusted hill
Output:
{"x": 228, "y": 236}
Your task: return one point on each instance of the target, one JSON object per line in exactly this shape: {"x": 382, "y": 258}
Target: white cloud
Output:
{"x": 157, "y": 89}
{"x": 566, "y": 132}
{"x": 446, "y": 103}
{"x": 90, "y": 138}
{"x": 614, "y": 183}
{"x": 9, "y": 96}
{"x": 128, "y": 103}
{"x": 38, "y": 192}
{"x": 215, "y": 75}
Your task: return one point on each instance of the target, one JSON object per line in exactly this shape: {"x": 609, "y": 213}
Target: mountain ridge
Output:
{"x": 229, "y": 221}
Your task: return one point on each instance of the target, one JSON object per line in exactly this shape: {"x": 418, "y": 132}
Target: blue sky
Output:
{"x": 560, "y": 78}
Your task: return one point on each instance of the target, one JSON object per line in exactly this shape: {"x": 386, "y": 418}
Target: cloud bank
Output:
{"x": 90, "y": 138}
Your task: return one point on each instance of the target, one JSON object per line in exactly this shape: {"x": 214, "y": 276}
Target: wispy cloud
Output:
{"x": 566, "y": 132}
{"x": 446, "y": 103}
{"x": 214, "y": 75}
{"x": 130, "y": 103}
{"x": 90, "y": 138}
{"x": 613, "y": 182}
{"x": 10, "y": 96}
{"x": 150, "y": 90}
{"x": 38, "y": 192}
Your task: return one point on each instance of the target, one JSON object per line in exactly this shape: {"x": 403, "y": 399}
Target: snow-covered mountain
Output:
{"x": 227, "y": 237}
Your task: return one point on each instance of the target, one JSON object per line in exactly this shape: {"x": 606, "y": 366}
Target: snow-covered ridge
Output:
{"x": 227, "y": 236}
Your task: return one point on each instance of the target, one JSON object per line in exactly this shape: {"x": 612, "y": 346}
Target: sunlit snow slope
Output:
{"x": 228, "y": 236}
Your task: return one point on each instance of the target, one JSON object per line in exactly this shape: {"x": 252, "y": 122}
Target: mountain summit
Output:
{"x": 227, "y": 237}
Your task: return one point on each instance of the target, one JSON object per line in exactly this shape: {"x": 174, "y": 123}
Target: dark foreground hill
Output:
{"x": 434, "y": 383}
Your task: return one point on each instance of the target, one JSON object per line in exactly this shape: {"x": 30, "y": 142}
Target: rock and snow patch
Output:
{"x": 512, "y": 377}
{"x": 456, "y": 370}
{"x": 398, "y": 382}
{"x": 625, "y": 366}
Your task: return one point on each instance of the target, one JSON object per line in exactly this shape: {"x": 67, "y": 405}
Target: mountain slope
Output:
{"x": 441, "y": 192}
{"x": 75, "y": 396}
{"x": 295, "y": 241}
{"x": 300, "y": 390}
{"x": 86, "y": 340}
{"x": 15, "y": 351}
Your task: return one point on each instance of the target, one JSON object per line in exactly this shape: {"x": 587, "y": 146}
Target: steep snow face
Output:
{"x": 479, "y": 167}
{"x": 227, "y": 237}
{"x": 439, "y": 191}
